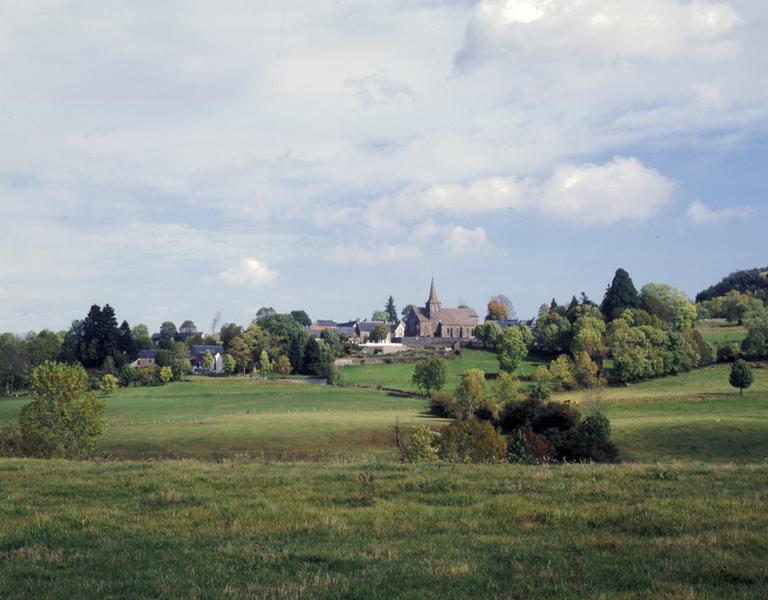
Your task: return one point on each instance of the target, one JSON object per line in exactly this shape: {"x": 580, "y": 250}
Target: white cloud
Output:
{"x": 249, "y": 272}
{"x": 623, "y": 189}
{"x": 461, "y": 241}
{"x": 700, "y": 214}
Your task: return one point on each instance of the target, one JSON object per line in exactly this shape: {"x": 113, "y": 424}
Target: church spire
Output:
{"x": 433, "y": 304}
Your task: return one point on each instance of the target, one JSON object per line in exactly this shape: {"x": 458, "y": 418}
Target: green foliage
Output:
{"x": 470, "y": 393}
{"x": 507, "y": 388}
{"x": 669, "y": 304}
{"x": 283, "y": 365}
{"x": 488, "y": 333}
{"x": 443, "y": 404}
{"x": 471, "y": 441}
{"x": 239, "y": 350}
{"x": 430, "y": 374}
{"x": 756, "y": 343}
{"x": 741, "y": 375}
{"x": 561, "y": 372}
{"x": 63, "y": 418}
{"x": 109, "y": 384}
{"x": 333, "y": 342}
{"x": 165, "y": 375}
{"x": 301, "y": 317}
{"x": 265, "y": 365}
{"x": 229, "y": 364}
{"x": 422, "y": 446}
{"x": 379, "y": 333}
{"x": 179, "y": 360}
{"x": 553, "y": 333}
{"x": 208, "y": 360}
{"x": 14, "y": 363}
{"x": 585, "y": 371}
{"x": 753, "y": 282}
{"x": 619, "y": 296}
{"x": 391, "y": 310}
{"x": 511, "y": 349}
{"x": 589, "y": 441}
{"x": 379, "y": 315}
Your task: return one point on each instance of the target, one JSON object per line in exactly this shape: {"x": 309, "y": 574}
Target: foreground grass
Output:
{"x": 201, "y": 530}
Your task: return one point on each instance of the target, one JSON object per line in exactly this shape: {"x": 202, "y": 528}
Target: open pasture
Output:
{"x": 251, "y": 530}
{"x": 720, "y": 331}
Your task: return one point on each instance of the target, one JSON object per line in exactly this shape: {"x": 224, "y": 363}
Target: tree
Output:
{"x": 585, "y": 370}
{"x": 510, "y": 349}
{"x": 265, "y": 311}
{"x": 42, "y": 347}
{"x": 301, "y": 317}
{"x": 188, "y": 328}
{"x": 470, "y": 393}
{"x": 756, "y": 343}
{"x": 561, "y": 370}
{"x": 507, "y": 304}
{"x": 497, "y": 311}
{"x": 620, "y": 295}
{"x": 14, "y": 362}
{"x": 229, "y": 364}
{"x": 229, "y": 331}
{"x": 141, "y": 337}
{"x": 507, "y": 388}
{"x": 391, "y": 310}
{"x": 669, "y": 304}
{"x": 63, "y": 418}
{"x": 553, "y": 333}
{"x": 208, "y": 360}
{"x": 407, "y": 312}
{"x": 179, "y": 360}
{"x": 741, "y": 375}
{"x": 488, "y": 333}
{"x": 240, "y": 351}
{"x": 265, "y": 365}
{"x": 333, "y": 341}
{"x": 284, "y": 365}
{"x": 379, "y": 333}
{"x": 430, "y": 374}
{"x": 380, "y": 315}
{"x": 168, "y": 331}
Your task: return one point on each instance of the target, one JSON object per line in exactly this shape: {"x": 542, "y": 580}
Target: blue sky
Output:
{"x": 176, "y": 159}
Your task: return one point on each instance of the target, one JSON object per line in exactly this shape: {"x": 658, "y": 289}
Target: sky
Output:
{"x": 176, "y": 159}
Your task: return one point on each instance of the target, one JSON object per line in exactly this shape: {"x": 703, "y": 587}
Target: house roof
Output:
{"x": 198, "y": 351}
{"x": 369, "y": 326}
{"x": 320, "y": 323}
{"x": 348, "y": 331}
{"x": 147, "y": 353}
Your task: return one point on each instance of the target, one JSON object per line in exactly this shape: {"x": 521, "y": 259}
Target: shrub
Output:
{"x": 283, "y": 366}
{"x": 472, "y": 442}
{"x": 539, "y": 392}
{"x": 109, "y": 384}
{"x": 422, "y": 446}
{"x": 728, "y": 353}
{"x": 561, "y": 370}
{"x": 443, "y": 404}
{"x": 589, "y": 441}
{"x": 519, "y": 415}
{"x": 528, "y": 447}
{"x": 507, "y": 388}
{"x": 554, "y": 416}
{"x": 147, "y": 376}
{"x": 331, "y": 373}
{"x": 63, "y": 418}
{"x": 165, "y": 375}
{"x": 488, "y": 410}
{"x": 585, "y": 370}
{"x": 10, "y": 441}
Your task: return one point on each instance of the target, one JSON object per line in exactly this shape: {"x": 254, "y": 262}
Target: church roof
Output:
{"x": 449, "y": 316}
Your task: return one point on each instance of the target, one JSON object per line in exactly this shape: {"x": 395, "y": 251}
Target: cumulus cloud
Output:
{"x": 651, "y": 30}
{"x": 249, "y": 273}
{"x": 700, "y": 214}
{"x": 461, "y": 241}
{"x": 589, "y": 194}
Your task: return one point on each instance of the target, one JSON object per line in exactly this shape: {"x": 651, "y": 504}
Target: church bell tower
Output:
{"x": 433, "y": 304}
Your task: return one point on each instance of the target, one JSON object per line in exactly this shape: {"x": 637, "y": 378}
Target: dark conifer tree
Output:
{"x": 391, "y": 310}
{"x": 620, "y": 295}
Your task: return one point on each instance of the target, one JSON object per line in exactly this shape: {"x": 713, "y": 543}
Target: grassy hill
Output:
{"x": 695, "y": 416}
{"x": 208, "y": 530}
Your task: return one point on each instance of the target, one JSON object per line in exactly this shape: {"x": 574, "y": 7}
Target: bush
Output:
{"x": 554, "y": 416}
{"x": 519, "y": 415}
{"x": 539, "y": 392}
{"x": 422, "y": 447}
{"x": 443, "y": 404}
{"x": 589, "y": 441}
{"x": 488, "y": 410}
{"x": 471, "y": 441}
{"x": 528, "y": 447}
{"x": 165, "y": 374}
{"x": 146, "y": 376}
{"x": 63, "y": 418}
{"x": 10, "y": 441}
{"x": 109, "y": 384}
{"x": 728, "y": 353}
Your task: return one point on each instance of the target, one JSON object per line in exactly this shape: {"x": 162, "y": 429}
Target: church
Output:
{"x": 435, "y": 321}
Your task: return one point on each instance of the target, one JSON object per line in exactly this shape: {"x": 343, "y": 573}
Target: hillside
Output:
{"x": 754, "y": 281}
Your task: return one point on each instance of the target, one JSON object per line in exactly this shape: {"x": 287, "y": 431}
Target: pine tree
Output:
{"x": 620, "y": 295}
{"x": 391, "y": 310}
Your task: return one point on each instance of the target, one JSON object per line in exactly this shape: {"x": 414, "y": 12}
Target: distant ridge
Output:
{"x": 753, "y": 281}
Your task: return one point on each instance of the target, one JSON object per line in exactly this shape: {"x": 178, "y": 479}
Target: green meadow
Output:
{"x": 241, "y": 488}
{"x": 720, "y": 331}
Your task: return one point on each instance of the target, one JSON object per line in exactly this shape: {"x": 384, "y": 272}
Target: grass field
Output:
{"x": 695, "y": 416}
{"x": 399, "y": 376}
{"x": 250, "y": 530}
{"x": 720, "y": 331}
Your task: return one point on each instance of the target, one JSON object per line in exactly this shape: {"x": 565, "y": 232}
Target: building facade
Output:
{"x": 435, "y": 321}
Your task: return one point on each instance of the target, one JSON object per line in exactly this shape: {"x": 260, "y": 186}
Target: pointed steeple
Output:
{"x": 433, "y": 304}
